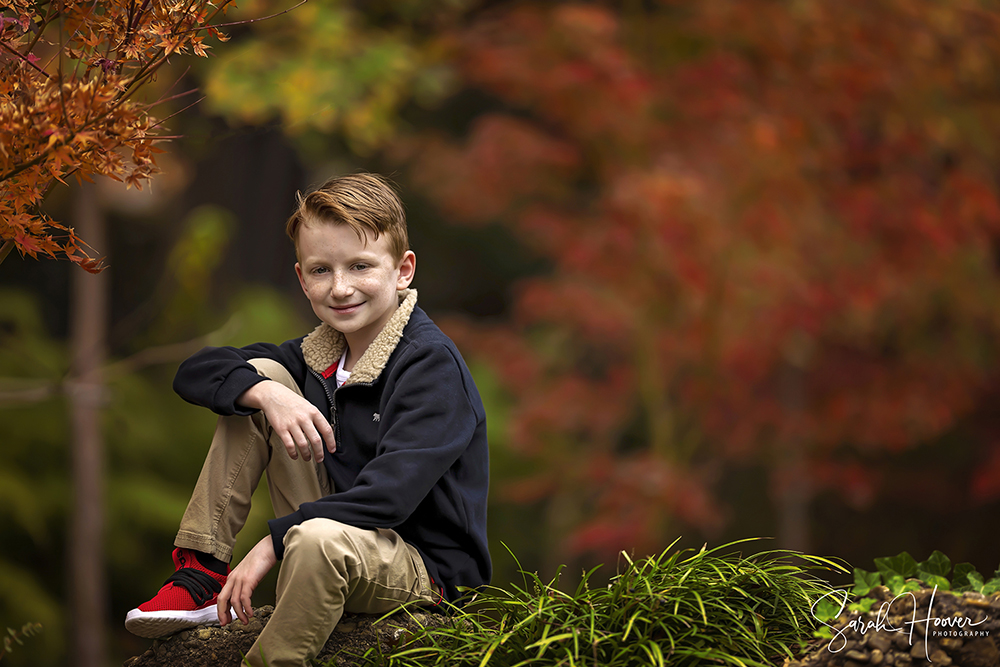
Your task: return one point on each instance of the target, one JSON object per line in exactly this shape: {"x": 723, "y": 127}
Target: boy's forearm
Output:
{"x": 217, "y": 377}
{"x": 256, "y": 396}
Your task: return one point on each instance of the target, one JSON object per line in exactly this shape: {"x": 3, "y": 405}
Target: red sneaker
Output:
{"x": 187, "y": 599}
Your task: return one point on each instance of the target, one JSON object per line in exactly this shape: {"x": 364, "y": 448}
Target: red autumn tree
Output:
{"x": 770, "y": 228}
{"x": 69, "y": 72}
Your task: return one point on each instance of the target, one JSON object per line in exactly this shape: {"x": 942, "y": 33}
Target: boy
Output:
{"x": 372, "y": 434}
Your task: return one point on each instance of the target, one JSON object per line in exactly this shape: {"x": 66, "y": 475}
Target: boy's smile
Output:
{"x": 351, "y": 283}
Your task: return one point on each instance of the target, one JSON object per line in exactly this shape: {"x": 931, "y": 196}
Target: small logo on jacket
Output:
{"x": 376, "y": 417}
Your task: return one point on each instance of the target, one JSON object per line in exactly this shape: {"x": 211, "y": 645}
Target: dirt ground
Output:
{"x": 208, "y": 646}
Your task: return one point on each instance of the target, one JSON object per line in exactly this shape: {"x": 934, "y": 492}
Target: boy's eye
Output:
{"x": 360, "y": 267}
{"x": 320, "y": 269}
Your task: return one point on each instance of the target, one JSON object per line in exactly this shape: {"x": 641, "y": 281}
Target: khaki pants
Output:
{"x": 328, "y": 566}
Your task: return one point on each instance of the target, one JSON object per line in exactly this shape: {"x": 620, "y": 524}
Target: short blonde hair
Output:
{"x": 365, "y": 202}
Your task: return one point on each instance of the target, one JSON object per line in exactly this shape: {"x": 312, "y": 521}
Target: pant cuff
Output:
{"x": 198, "y": 542}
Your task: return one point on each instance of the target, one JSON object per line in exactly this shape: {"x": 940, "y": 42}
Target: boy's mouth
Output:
{"x": 347, "y": 309}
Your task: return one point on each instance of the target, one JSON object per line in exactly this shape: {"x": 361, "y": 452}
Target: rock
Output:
{"x": 879, "y": 641}
{"x": 881, "y": 593}
{"x": 939, "y": 657}
{"x": 208, "y": 646}
{"x": 979, "y": 652}
{"x": 951, "y": 644}
{"x": 974, "y": 599}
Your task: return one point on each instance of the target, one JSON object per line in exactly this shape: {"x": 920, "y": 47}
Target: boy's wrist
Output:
{"x": 255, "y": 397}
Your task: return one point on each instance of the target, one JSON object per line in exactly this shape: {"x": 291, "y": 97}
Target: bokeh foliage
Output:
{"x": 335, "y": 68}
{"x": 744, "y": 230}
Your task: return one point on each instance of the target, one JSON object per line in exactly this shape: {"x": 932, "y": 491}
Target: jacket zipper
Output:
{"x": 333, "y": 404}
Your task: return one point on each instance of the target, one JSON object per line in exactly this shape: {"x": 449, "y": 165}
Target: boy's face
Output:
{"x": 351, "y": 283}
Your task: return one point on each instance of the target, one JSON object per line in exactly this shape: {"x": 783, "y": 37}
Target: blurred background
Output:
{"x": 721, "y": 269}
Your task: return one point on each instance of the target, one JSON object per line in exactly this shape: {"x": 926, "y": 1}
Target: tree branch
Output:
{"x": 30, "y": 394}
{"x": 262, "y": 18}
{"x": 161, "y": 354}
{"x": 179, "y": 111}
{"x": 33, "y": 391}
{"x": 152, "y": 356}
{"x": 25, "y": 59}
{"x": 8, "y": 245}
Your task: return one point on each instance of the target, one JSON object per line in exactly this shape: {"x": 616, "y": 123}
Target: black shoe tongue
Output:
{"x": 200, "y": 585}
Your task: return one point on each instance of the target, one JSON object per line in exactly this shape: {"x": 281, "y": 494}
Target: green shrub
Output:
{"x": 683, "y": 608}
{"x": 902, "y": 573}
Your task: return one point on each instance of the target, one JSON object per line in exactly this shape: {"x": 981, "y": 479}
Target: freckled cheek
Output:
{"x": 317, "y": 289}
{"x": 370, "y": 285}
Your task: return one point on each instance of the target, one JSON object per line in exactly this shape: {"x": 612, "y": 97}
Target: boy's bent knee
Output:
{"x": 320, "y": 533}
{"x": 336, "y": 544}
{"x": 274, "y": 370}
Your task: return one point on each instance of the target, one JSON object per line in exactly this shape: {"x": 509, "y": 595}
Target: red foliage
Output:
{"x": 768, "y": 225}
{"x": 69, "y": 72}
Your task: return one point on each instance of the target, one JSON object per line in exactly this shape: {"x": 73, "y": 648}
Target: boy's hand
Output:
{"x": 299, "y": 424}
{"x": 243, "y": 580}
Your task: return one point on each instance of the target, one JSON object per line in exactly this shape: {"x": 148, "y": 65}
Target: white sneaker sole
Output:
{"x": 156, "y": 624}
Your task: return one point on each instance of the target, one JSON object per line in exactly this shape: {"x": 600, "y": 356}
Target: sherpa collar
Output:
{"x": 325, "y": 345}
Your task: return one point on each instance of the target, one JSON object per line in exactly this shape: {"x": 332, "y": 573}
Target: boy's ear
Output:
{"x": 302, "y": 283}
{"x": 407, "y": 268}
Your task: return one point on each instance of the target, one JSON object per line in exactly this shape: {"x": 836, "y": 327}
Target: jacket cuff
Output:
{"x": 232, "y": 387}
{"x": 279, "y": 527}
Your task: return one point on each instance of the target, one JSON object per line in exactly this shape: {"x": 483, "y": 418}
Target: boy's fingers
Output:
{"x": 305, "y": 446}
{"x": 326, "y": 431}
{"x": 317, "y": 446}
{"x": 238, "y": 603}
{"x": 243, "y": 609}
{"x": 222, "y": 606}
{"x": 314, "y": 442}
{"x": 289, "y": 443}
{"x": 324, "y": 437}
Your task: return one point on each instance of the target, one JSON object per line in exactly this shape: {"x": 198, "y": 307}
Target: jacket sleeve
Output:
{"x": 215, "y": 377}
{"x": 430, "y": 421}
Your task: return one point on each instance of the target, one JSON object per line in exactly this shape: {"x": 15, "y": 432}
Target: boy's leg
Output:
{"x": 242, "y": 449}
{"x": 330, "y": 567}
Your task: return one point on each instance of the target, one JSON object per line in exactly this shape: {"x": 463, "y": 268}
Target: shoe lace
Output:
{"x": 200, "y": 585}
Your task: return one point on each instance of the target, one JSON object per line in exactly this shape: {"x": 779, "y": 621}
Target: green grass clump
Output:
{"x": 682, "y": 608}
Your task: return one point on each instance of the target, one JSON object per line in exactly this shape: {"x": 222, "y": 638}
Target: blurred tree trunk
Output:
{"x": 88, "y": 312}
{"x": 794, "y": 490}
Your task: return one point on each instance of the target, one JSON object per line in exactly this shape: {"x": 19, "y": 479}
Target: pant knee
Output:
{"x": 323, "y": 540}
{"x": 274, "y": 370}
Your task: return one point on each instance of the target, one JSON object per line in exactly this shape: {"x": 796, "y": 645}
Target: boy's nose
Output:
{"x": 341, "y": 286}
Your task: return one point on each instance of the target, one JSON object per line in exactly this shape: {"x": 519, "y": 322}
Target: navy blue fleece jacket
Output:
{"x": 410, "y": 430}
